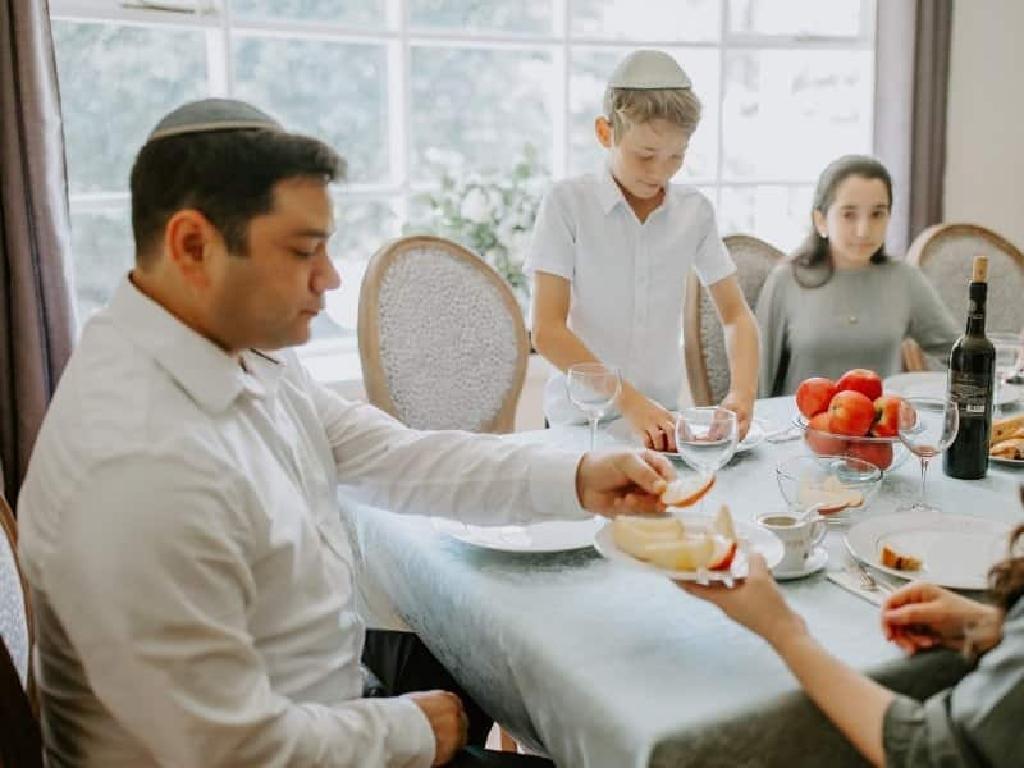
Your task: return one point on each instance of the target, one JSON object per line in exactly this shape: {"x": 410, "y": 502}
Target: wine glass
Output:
{"x": 706, "y": 438}
{"x": 927, "y": 427}
{"x": 1008, "y": 348}
{"x": 592, "y": 388}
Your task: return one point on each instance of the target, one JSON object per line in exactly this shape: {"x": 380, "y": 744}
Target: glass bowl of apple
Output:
{"x": 851, "y": 416}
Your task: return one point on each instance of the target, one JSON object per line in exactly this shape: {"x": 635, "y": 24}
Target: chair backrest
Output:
{"x": 945, "y": 254}
{"x": 20, "y": 740}
{"x": 441, "y": 337}
{"x": 707, "y": 365}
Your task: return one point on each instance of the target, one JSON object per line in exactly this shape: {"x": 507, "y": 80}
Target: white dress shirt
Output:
{"x": 627, "y": 278}
{"x": 194, "y": 582}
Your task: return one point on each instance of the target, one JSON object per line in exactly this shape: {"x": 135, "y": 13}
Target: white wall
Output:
{"x": 985, "y": 149}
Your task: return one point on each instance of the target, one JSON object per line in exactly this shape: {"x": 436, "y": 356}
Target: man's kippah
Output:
{"x": 212, "y": 115}
{"x": 649, "y": 70}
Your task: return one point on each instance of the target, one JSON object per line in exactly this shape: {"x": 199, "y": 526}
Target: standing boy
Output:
{"x": 611, "y": 253}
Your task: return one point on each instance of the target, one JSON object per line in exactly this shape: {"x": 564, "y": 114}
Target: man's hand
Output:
{"x": 655, "y": 424}
{"x": 756, "y": 603}
{"x": 919, "y": 616}
{"x": 447, "y": 720}
{"x": 624, "y": 482}
{"x": 743, "y": 407}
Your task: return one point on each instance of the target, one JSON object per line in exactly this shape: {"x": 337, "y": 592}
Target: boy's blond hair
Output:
{"x": 629, "y": 107}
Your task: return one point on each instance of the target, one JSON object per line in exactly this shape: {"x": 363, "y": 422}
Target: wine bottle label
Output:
{"x": 971, "y": 393}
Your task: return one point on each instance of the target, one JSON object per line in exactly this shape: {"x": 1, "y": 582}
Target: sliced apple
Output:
{"x": 832, "y": 497}
{"x": 632, "y": 534}
{"x": 723, "y": 552}
{"x": 687, "y": 553}
{"x": 686, "y": 491}
{"x": 723, "y": 524}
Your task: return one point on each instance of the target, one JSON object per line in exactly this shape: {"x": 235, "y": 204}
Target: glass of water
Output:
{"x": 706, "y": 437}
{"x": 593, "y": 388}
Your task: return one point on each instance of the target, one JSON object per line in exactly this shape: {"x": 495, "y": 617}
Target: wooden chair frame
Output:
{"x": 375, "y": 380}
{"x": 921, "y": 250}
{"x": 693, "y": 352}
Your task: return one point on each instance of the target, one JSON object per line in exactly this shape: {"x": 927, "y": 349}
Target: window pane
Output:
{"x": 786, "y": 114}
{"x": 835, "y": 18}
{"x": 355, "y": 13}
{"x": 501, "y": 15}
{"x": 780, "y": 215}
{"x": 483, "y": 105}
{"x": 102, "y": 252}
{"x": 334, "y": 91}
{"x": 115, "y": 83}
{"x": 682, "y": 20}
{"x": 363, "y": 226}
{"x": 589, "y": 73}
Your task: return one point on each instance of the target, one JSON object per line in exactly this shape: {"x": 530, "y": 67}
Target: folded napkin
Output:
{"x": 852, "y": 582}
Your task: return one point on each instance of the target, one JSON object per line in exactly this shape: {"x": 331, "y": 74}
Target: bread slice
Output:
{"x": 1005, "y": 429}
{"x": 901, "y": 562}
{"x": 1009, "y": 449}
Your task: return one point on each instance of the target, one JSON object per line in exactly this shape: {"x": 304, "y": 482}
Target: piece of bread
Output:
{"x": 1006, "y": 429}
{"x": 1009, "y": 449}
{"x": 901, "y": 562}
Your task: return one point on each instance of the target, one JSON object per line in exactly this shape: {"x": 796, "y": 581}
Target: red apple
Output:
{"x": 887, "y": 416}
{"x": 813, "y": 395}
{"x": 851, "y": 413}
{"x": 861, "y": 380}
{"x": 879, "y": 454}
{"x": 820, "y": 440}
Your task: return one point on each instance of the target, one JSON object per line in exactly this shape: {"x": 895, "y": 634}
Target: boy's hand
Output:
{"x": 743, "y": 407}
{"x": 655, "y": 424}
{"x": 623, "y": 482}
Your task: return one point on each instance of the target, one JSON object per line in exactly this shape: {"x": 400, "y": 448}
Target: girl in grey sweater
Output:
{"x": 840, "y": 302}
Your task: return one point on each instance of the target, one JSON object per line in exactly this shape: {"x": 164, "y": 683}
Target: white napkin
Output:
{"x": 851, "y": 582}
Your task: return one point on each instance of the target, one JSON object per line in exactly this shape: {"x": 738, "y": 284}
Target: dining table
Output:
{"x": 599, "y": 665}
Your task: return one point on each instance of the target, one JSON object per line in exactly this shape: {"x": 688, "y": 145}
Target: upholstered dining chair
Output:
{"x": 441, "y": 337}
{"x": 20, "y": 741}
{"x": 707, "y": 365}
{"x": 945, "y": 254}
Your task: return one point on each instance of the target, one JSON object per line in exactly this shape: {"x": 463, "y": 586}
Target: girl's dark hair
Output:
{"x": 1006, "y": 579}
{"x": 227, "y": 175}
{"x": 812, "y": 261}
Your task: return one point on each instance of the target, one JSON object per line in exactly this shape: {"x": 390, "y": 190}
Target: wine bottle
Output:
{"x": 972, "y": 365}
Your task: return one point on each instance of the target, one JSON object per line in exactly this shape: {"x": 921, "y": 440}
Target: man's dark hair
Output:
{"x": 226, "y": 175}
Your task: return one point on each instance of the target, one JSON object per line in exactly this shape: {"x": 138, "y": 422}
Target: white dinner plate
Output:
{"x": 1018, "y": 463}
{"x": 751, "y": 538}
{"x": 957, "y": 550}
{"x": 550, "y": 536}
{"x": 932, "y": 384}
{"x": 755, "y": 436}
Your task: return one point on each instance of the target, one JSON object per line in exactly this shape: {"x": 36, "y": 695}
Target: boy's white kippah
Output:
{"x": 649, "y": 70}
{"x": 212, "y": 115}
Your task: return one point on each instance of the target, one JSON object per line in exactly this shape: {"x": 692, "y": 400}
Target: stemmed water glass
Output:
{"x": 706, "y": 438}
{"x": 592, "y": 388}
{"x": 927, "y": 427}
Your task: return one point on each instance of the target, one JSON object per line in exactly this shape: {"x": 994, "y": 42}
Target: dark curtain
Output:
{"x": 911, "y": 86}
{"x": 36, "y": 314}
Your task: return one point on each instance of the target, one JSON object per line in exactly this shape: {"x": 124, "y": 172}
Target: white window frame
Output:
{"x": 399, "y": 38}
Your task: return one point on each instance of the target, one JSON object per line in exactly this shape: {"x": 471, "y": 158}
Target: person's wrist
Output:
{"x": 785, "y": 632}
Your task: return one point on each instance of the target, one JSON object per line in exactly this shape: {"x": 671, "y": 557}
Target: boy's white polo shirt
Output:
{"x": 627, "y": 278}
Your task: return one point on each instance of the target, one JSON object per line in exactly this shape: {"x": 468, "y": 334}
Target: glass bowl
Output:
{"x": 886, "y": 453}
{"x": 841, "y": 486}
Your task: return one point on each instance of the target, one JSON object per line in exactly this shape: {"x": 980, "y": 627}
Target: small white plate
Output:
{"x": 1017, "y": 463}
{"x": 755, "y": 436}
{"x": 932, "y": 384}
{"x": 957, "y": 550}
{"x": 813, "y": 564}
{"x": 538, "y": 538}
{"x": 751, "y": 538}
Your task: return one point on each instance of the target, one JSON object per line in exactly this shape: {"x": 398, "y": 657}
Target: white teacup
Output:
{"x": 799, "y": 536}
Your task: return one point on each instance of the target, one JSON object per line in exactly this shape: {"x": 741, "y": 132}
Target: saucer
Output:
{"x": 814, "y": 563}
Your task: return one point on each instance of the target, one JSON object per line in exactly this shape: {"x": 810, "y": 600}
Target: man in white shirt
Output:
{"x": 178, "y": 523}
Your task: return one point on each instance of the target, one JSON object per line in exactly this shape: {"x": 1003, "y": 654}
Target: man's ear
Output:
{"x": 189, "y": 241}
{"x": 603, "y": 131}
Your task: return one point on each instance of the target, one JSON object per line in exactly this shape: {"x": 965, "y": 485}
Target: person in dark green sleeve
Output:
{"x": 978, "y": 722}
